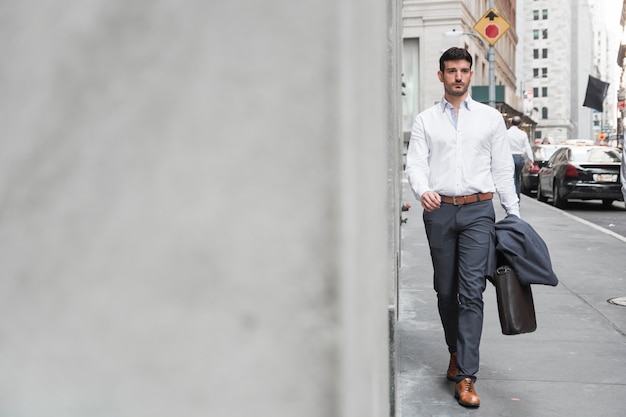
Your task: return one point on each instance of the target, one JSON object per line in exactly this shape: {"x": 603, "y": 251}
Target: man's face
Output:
{"x": 456, "y": 77}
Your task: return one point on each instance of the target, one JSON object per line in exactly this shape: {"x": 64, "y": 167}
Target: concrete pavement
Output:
{"x": 573, "y": 365}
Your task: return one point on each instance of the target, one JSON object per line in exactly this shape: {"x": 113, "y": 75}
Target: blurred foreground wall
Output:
{"x": 194, "y": 207}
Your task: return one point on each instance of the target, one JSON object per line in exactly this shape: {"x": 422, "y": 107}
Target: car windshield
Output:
{"x": 597, "y": 155}
{"x": 543, "y": 153}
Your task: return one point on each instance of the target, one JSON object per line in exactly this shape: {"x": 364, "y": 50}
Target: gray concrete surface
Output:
{"x": 182, "y": 217}
{"x": 572, "y": 365}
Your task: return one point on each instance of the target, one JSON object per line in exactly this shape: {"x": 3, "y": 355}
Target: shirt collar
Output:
{"x": 467, "y": 103}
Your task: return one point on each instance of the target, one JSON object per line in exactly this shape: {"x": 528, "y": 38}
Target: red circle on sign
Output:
{"x": 492, "y": 31}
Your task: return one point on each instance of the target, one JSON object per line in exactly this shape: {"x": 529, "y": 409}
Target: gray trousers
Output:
{"x": 460, "y": 240}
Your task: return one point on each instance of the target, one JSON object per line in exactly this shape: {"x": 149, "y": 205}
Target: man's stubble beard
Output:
{"x": 457, "y": 93}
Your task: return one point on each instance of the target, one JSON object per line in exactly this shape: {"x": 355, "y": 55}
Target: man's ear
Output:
{"x": 440, "y": 75}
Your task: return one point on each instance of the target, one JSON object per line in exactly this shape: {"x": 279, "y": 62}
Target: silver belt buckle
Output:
{"x": 454, "y": 200}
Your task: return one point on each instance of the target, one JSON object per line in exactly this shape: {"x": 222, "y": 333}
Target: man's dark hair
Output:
{"x": 454, "y": 54}
{"x": 516, "y": 120}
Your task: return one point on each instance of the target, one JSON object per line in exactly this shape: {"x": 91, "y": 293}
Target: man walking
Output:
{"x": 520, "y": 148}
{"x": 458, "y": 157}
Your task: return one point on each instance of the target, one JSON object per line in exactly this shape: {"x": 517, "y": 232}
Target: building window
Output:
{"x": 535, "y": 91}
{"x": 544, "y": 91}
{"x": 535, "y": 34}
{"x": 544, "y": 13}
{"x": 544, "y": 73}
{"x": 544, "y": 112}
{"x": 537, "y": 134}
{"x": 535, "y": 14}
{"x": 535, "y": 53}
{"x": 544, "y": 33}
{"x": 544, "y": 53}
{"x": 535, "y": 72}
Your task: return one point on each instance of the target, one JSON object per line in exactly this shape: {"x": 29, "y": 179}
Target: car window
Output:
{"x": 556, "y": 156}
{"x": 549, "y": 151}
{"x": 606, "y": 155}
{"x": 541, "y": 153}
{"x": 568, "y": 155}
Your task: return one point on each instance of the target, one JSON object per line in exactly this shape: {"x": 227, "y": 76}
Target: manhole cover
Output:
{"x": 619, "y": 301}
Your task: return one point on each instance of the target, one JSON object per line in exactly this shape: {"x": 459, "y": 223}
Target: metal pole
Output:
{"x": 492, "y": 71}
{"x": 492, "y": 77}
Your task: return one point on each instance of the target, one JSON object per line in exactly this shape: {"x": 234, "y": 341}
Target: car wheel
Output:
{"x": 557, "y": 200}
{"x": 540, "y": 195}
{"x": 607, "y": 202}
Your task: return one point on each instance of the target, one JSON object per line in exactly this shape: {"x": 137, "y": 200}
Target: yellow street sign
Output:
{"x": 492, "y": 26}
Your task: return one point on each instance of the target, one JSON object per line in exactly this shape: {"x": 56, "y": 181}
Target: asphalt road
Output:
{"x": 612, "y": 218}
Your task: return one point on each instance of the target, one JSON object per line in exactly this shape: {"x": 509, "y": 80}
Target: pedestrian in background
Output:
{"x": 521, "y": 150}
{"x": 458, "y": 157}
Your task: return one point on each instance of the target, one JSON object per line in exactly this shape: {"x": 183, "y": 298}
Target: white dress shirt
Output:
{"x": 461, "y": 156}
{"x": 518, "y": 140}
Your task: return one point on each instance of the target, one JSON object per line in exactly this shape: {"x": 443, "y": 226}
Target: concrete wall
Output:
{"x": 194, "y": 208}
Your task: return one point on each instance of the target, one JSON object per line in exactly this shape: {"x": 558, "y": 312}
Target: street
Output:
{"x": 613, "y": 218}
{"x": 579, "y": 341}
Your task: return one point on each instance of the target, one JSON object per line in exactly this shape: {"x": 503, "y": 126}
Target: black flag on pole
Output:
{"x": 596, "y": 93}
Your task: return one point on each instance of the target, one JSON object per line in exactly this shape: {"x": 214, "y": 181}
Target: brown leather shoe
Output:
{"x": 453, "y": 369}
{"x": 465, "y": 394}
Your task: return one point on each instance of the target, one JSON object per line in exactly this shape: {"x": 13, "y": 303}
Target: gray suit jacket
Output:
{"x": 520, "y": 246}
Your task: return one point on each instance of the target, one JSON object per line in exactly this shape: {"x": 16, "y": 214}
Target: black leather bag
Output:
{"x": 515, "y": 303}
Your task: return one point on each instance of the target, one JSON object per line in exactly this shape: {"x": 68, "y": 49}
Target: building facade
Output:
{"x": 563, "y": 46}
{"x": 431, "y": 27}
{"x": 542, "y": 63}
{"x": 194, "y": 207}
{"x": 606, "y": 39}
{"x": 621, "y": 92}
{"x": 621, "y": 89}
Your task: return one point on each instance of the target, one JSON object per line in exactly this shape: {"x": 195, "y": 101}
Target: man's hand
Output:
{"x": 431, "y": 201}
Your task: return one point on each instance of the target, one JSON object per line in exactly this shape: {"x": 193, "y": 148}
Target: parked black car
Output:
{"x": 583, "y": 173}
{"x": 541, "y": 153}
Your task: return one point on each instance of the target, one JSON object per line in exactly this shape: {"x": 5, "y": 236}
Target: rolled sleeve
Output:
{"x": 502, "y": 169}
{"x": 417, "y": 170}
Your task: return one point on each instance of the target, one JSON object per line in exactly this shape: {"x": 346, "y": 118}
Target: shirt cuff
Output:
{"x": 514, "y": 212}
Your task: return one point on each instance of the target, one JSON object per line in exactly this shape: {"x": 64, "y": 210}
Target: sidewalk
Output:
{"x": 573, "y": 365}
